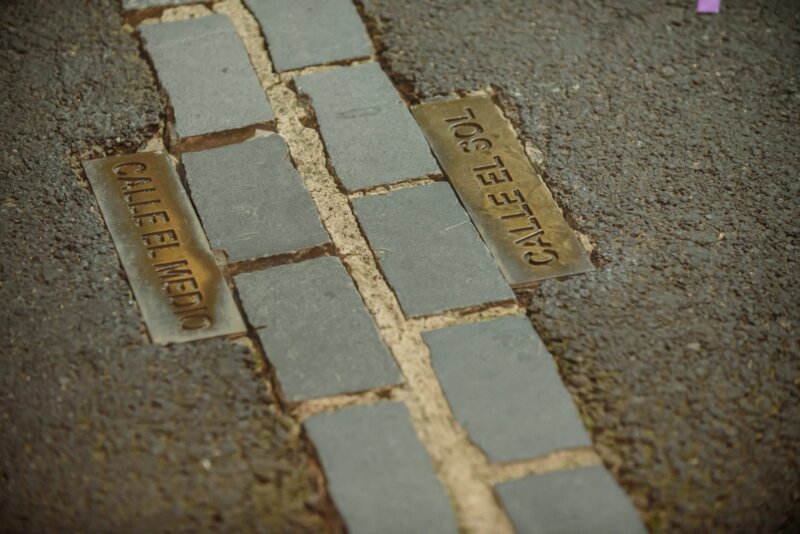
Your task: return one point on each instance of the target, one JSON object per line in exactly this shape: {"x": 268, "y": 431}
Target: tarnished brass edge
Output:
{"x": 151, "y": 297}
{"x": 499, "y": 139}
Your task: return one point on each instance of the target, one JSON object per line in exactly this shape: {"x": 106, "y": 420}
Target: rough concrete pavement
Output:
{"x": 102, "y": 431}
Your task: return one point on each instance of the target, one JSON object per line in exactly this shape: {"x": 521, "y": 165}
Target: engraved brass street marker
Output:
{"x": 166, "y": 256}
{"x": 505, "y": 196}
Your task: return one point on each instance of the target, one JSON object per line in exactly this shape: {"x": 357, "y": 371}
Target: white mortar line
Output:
{"x": 555, "y": 461}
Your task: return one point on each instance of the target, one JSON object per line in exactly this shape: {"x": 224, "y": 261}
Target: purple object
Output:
{"x": 708, "y": 6}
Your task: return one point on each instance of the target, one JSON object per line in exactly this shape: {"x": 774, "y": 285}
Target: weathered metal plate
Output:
{"x": 178, "y": 285}
{"x": 505, "y": 196}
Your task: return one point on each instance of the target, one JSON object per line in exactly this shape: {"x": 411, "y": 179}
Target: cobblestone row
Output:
{"x": 477, "y": 390}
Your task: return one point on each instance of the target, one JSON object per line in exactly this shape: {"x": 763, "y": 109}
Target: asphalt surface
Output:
{"x": 102, "y": 431}
{"x": 671, "y": 141}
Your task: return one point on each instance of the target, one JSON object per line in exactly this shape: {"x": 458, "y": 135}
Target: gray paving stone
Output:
{"x": 371, "y": 137}
{"x": 429, "y": 251}
{"x": 379, "y": 474}
{"x": 130, "y": 5}
{"x": 203, "y": 66}
{"x": 301, "y": 33}
{"x": 586, "y": 499}
{"x": 316, "y": 330}
{"x": 252, "y": 201}
{"x": 504, "y": 389}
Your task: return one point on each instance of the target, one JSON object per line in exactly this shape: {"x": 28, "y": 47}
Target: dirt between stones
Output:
{"x": 102, "y": 431}
{"x": 670, "y": 139}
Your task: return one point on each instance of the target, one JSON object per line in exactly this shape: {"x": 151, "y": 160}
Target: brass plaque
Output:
{"x": 505, "y": 196}
{"x": 178, "y": 285}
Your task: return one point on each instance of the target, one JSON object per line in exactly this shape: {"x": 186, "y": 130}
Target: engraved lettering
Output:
{"x": 171, "y": 269}
{"x": 493, "y": 173}
{"x": 534, "y": 225}
{"x": 196, "y": 322}
{"x": 470, "y": 143}
{"x": 189, "y": 311}
{"x": 140, "y": 219}
{"x": 501, "y": 189}
{"x": 473, "y": 129}
{"x": 526, "y": 212}
{"x": 481, "y": 143}
{"x": 128, "y": 168}
{"x": 181, "y": 292}
{"x": 183, "y": 285}
{"x": 130, "y": 183}
{"x": 503, "y": 198}
{"x": 186, "y": 299}
{"x": 134, "y": 207}
{"x": 159, "y": 239}
{"x": 154, "y": 251}
{"x": 129, "y": 195}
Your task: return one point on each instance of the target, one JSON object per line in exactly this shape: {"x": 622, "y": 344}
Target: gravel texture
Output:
{"x": 102, "y": 431}
{"x": 670, "y": 139}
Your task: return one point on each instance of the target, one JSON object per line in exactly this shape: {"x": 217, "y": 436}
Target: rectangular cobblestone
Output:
{"x": 370, "y": 135}
{"x": 379, "y": 474}
{"x": 315, "y": 329}
{"x": 586, "y": 499}
{"x": 252, "y": 201}
{"x": 429, "y": 251}
{"x": 301, "y": 33}
{"x": 203, "y": 66}
{"x": 504, "y": 389}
